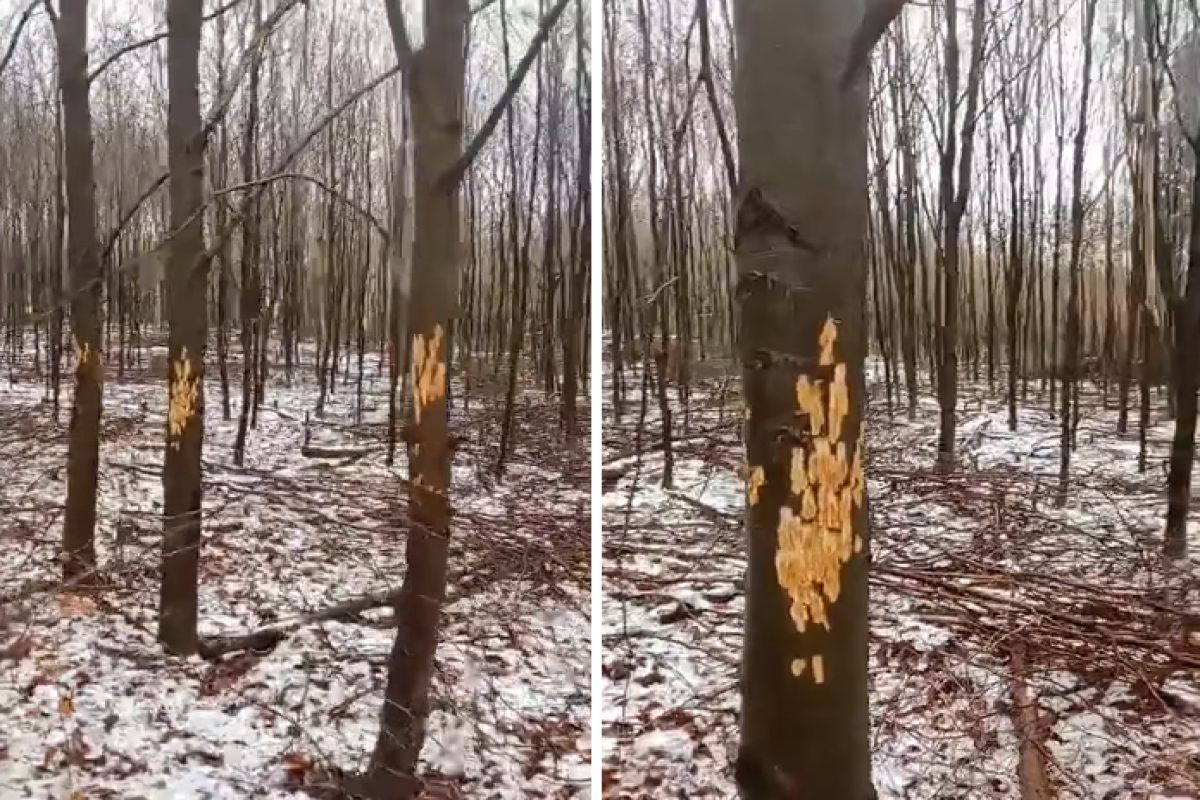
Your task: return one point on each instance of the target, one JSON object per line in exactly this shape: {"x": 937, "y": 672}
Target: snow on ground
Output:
{"x": 90, "y": 704}
{"x": 967, "y": 569}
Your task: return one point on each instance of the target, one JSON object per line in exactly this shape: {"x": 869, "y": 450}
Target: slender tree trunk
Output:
{"x": 954, "y": 204}
{"x": 520, "y": 249}
{"x": 1187, "y": 382}
{"x": 1070, "y": 367}
{"x": 250, "y": 307}
{"x": 83, "y": 451}
{"x": 580, "y": 253}
{"x": 660, "y": 315}
{"x": 56, "y": 258}
{"x": 1109, "y": 352}
{"x": 187, "y": 277}
{"x": 223, "y": 265}
{"x": 437, "y": 116}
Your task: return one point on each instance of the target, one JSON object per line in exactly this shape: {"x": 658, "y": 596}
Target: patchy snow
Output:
{"x": 89, "y": 702}
{"x": 964, "y": 567}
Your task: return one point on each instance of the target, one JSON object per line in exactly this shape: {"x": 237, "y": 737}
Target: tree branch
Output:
{"x": 252, "y": 54}
{"x": 243, "y": 210}
{"x": 320, "y": 184}
{"x": 16, "y": 34}
{"x": 283, "y": 163}
{"x": 149, "y": 40}
{"x": 455, "y": 173}
{"x": 220, "y": 108}
{"x": 405, "y": 56}
{"x": 876, "y": 19}
{"x": 706, "y": 76}
{"x": 267, "y": 638}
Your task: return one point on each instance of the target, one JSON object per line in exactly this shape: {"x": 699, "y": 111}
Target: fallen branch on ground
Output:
{"x": 317, "y": 451}
{"x": 267, "y": 638}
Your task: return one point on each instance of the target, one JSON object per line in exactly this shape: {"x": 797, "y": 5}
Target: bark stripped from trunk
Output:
{"x": 187, "y": 279}
{"x": 437, "y": 113}
{"x": 800, "y": 227}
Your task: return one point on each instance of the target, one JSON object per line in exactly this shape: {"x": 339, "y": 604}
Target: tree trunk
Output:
{"x": 1070, "y": 367}
{"x": 437, "y": 115}
{"x": 1187, "y": 382}
{"x": 802, "y": 278}
{"x": 187, "y": 277}
{"x": 250, "y": 301}
{"x": 83, "y": 451}
{"x": 575, "y": 285}
{"x": 954, "y": 207}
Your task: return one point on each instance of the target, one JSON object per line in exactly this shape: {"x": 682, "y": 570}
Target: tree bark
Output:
{"x": 954, "y": 207}
{"x": 436, "y": 90}
{"x": 187, "y": 279}
{"x": 802, "y": 276}
{"x": 1070, "y": 367}
{"x": 83, "y": 450}
{"x": 1187, "y": 383}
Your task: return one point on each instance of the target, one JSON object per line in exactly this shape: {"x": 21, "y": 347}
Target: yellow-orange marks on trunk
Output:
{"x": 89, "y": 359}
{"x": 839, "y": 403}
{"x": 800, "y": 666}
{"x": 826, "y": 340}
{"x": 429, "y": 370}
{"x": 816, "y": 534}
{"x": 808, "y": 398}
{"x": 184, "y": 397}
{"x": 754, "y": 482}
{"x": 799, "y": 472}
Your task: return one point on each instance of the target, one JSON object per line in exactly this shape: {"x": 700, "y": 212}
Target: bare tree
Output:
{"x": 79, "y": 523}
{"x": 955, "y": 192}
{"x": 187, "y": 279}
{"x": 802, "y": 290}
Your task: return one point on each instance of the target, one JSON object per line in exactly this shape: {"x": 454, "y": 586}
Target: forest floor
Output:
{"x": 91, "y": 708}
{"x": 997, "y": 618}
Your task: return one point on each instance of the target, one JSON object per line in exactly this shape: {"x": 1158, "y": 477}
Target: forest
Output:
{"x": 901, "y": 347}
{"x": 294, "y": 300}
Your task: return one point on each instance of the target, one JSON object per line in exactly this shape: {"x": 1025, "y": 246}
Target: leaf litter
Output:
{"x": 90, "y": 707}
{"x": 982, "y": 590}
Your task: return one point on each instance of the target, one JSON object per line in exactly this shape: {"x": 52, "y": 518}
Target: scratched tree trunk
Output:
{"x": 437, "y": 100}
{"x": 187, "y": 279}
{"x": 801, "y": 263}
{"x": 79, "y": 522}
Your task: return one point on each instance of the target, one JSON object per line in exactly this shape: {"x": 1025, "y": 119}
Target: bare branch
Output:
{"x": 483, "y": 6}
{"x": 400, "y": 41}
{"x": 252, "y": 54}
{"x": 223, "y": 235}
{"x": 456, "y": 172}
{"x": 16, "y": 34}
{"x": 706, "y": 77}
{"x": 283, "y": 163}
{"x": 149, "y": 40}
{"x": 876, "y": 19}
{"x": 320, "y": 184}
